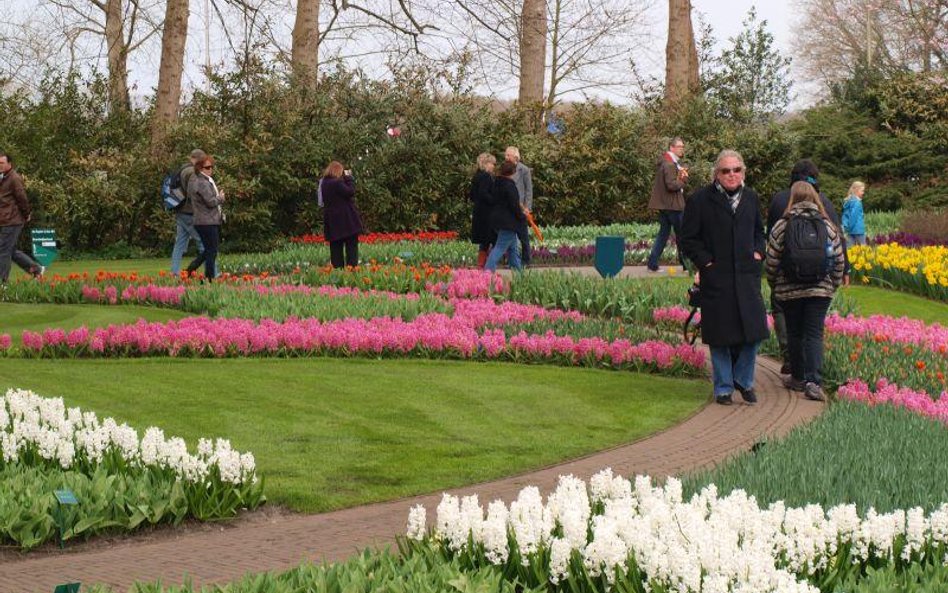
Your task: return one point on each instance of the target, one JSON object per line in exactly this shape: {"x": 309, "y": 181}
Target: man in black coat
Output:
{"x": 803, "y": 170}
{"x": 723, "y": 234}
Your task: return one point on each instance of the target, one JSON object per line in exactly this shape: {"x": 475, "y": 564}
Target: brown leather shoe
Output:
{"x": 794, "y": 384}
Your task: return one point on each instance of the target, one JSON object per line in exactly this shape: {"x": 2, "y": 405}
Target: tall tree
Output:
{"x": 173, "y": 41}
{"x": 751, "y": 81}
{"x": 590, "y": 43}
{"x": 838, "y": 38}
{"x": 305, "y": 56}
{"x": 533, "y": 29}
{"x": 681, "y": 55}
{"x": 124, "y": 25}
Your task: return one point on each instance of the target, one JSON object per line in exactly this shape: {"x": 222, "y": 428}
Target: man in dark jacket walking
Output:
{"x": 15, "y": 212}
{"x": 803, "y": 170}
{"x": 723, "y": 235}
{"x": 668, "y": 197}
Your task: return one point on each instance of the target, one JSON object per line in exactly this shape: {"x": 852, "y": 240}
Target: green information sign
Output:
{"x": 610, "y": 255}
{"x": 67, "y": 588}
{"x": 45, "y": 249}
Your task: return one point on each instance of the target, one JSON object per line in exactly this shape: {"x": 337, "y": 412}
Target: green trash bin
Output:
{"x": 610, "y": 255}
{"x": 45, "y": 248}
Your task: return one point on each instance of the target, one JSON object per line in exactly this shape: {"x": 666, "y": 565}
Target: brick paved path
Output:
{"x": 281, "y": 542}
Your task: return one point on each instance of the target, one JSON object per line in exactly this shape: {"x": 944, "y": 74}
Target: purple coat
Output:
{"x": 341, "y": 220}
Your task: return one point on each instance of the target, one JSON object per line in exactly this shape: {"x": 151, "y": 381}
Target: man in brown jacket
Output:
{"x": 15, "y": 212}
{"x": 668, "y": 197}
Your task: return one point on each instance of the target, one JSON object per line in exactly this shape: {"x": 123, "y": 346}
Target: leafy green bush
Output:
{"x": 847, "y": 455}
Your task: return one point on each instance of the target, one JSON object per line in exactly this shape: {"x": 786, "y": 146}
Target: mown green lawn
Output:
{"x": 871, "y": 300}
{"x": 15, "y": 318}
{"x": 330, "y": 433}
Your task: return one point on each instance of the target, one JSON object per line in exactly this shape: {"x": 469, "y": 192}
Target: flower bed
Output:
{"x": 472, "y": 332}
{"x": 379, "y": 238}
{"x": 918, "y": 402}
{"x": 122, "y": 481}
{"x": 921, "y": 271}
{"x": 617, "y": 535}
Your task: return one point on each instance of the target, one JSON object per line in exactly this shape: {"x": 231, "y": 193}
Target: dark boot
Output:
{"x": 481, "y": 259}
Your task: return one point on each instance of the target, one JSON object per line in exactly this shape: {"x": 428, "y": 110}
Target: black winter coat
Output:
{"x": 340, "y": 218}
{"x": 732, "y": 307}
{"x": 506, "y": 214}
{"x": 482, "y": 196}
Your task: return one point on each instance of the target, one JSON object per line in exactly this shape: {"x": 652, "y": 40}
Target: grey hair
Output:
{"x": 675, "y": 141}
{"x": 483, "y": 159}
{"x": 727, "y": 154}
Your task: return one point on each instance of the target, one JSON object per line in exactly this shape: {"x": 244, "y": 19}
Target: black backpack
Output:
{"x": 805, "y": 241}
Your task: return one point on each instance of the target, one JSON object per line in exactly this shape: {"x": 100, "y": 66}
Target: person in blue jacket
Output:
{"x": 854, "y": 221}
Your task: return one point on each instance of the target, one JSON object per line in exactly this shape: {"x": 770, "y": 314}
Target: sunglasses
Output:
{"x": 729, "y": 171}
{"x": 207, "y": 168}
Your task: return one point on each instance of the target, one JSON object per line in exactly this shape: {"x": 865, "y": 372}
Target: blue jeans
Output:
{"x": 733, "y": 367}
{"x": 507, "y": 242}
{"x": 856, "y": 239}
{"x": 186, "y": 232}
{"x": 667, "y": 220}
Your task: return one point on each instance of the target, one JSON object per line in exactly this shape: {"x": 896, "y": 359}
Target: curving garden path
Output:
{"x": 261, "y": 543}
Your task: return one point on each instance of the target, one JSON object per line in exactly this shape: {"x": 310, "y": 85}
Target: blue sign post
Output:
{"x": 610, "y": 256}
{"x": 64, "y": 497}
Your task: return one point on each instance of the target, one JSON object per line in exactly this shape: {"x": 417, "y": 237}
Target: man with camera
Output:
{"x": 668, "y": 197}
{"x": 723, "y": 234}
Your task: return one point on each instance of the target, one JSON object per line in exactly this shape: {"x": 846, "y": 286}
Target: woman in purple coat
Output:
{"x": 341, "y": 222}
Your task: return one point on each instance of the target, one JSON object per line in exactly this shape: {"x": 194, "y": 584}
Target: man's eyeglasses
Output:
{"x": 207, "y": 168}
{"x": 729, "y": 171}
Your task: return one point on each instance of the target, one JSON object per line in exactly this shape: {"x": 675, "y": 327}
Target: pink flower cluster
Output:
{"x": 467, "y": 283}
{"x": 327, "y": 291}
{"x": 143, "y": 293}
{"x": 918, "y": 402}
{"x": 677, "y": 315}
{"x": 5, "y": 342}
{"x": 882, "y": 328}
{"x": 430, "y": 333}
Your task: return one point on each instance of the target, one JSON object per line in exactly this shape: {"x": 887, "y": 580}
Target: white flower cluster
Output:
{"x": 709, "y": 544}
{"x": 30, "y": 422}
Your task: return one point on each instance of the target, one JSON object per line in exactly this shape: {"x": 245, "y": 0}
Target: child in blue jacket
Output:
{"x": 854, "y": 222}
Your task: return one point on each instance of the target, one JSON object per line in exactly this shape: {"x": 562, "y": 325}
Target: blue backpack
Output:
{"x": 172, "y": 195}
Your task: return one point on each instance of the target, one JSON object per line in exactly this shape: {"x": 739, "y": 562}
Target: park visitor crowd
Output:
{"x": 719, "y": 228}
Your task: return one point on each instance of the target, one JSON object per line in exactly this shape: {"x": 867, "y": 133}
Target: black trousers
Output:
{"x": 211, "y": 238}
{"x": 351, "y": 246}
{"x": 523, "y": 233}
{"x": 805, "y": 322}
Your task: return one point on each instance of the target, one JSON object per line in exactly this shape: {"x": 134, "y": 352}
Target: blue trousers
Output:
{"x": 507, "y": 242}
{"x": 667, "y": 220}
{"x": 733, "y": 367}
{"x": 185, "y": 233}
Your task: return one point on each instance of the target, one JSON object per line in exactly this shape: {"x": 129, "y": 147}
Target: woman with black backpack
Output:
{"x": 805, "y": 266}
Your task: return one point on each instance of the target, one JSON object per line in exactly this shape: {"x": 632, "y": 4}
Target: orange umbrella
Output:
{"x": 533, "y": 225}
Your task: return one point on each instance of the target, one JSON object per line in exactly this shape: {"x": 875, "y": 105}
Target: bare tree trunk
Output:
{"x": 305, "y": 55}
{"x": 173, "y": 41}
{"x": 117, "y": 55}
{"x": 532, "y": 51}
{"x": 681, "y": 56}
